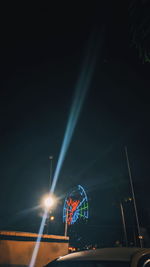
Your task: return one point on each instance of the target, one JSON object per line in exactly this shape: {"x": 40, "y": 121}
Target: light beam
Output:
{"x": 80, "y": 94}
{"x": 79, "y": 97}
{"x": 37, "y": 245}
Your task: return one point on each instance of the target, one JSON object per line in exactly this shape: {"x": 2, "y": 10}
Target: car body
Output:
{"x": 105, "y": 257}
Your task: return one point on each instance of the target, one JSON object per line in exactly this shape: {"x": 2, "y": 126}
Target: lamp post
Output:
{"x": 134, "y": 201}
{"x": 124, "y": 224}
{"x": 66, "y": 223}
{"x": 51, "y": 169}
{"x": 49, "y": 199}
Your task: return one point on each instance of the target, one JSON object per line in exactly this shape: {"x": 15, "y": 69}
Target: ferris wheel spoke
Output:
{"x": 75, "y": 216}
{"x": 81, "y": 202}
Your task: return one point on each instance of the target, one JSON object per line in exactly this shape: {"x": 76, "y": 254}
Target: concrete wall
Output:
{"x": 16, "y": 248}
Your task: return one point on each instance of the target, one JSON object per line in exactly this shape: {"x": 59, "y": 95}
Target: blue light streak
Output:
{"x": 79, "y": 97}
{"x": 37, "y": 245}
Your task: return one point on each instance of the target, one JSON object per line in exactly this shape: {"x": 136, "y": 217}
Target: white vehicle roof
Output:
{"x": 103, "y": 254}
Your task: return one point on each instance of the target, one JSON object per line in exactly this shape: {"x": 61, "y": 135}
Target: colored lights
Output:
{"x": 75, "y": 206}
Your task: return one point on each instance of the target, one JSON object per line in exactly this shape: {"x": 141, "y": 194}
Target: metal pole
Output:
{"x": 66, "y": 223}
{"x": 124, "y": 224}
{"x": 51, "y": 169}
{"x": 47, "y": 223}
{"x": 50, "y": 182}
{"x": 133, "y": 195}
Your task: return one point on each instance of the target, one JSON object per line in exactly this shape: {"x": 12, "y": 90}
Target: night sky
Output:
{"x": 42, "y": 51}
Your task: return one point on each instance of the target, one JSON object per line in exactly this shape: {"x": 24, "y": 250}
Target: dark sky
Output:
{"x": 42, "y": 50}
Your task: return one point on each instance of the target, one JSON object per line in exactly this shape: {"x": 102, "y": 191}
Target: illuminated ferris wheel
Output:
{"x": 76, "y": 206}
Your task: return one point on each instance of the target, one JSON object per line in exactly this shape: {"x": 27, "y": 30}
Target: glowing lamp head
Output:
{"x": 52, "y": 218}
{"x": 49, "y": 201}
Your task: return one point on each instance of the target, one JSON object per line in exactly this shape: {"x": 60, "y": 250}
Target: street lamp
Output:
{"x": 52, "y": 218}
{"x": 48, "y": 202}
